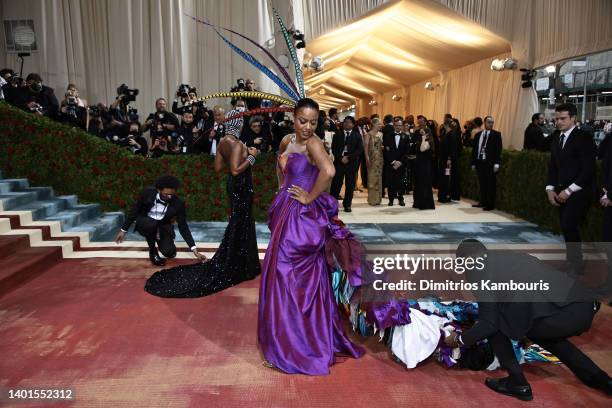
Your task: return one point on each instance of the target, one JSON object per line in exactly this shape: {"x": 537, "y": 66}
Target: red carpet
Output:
{"x": 88, "y": 325}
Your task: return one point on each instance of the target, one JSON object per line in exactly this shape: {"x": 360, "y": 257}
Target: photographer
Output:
{"x": 99, "y": 123}
{"x": 281, "y": 126}
{"x": 257, "y": 134}
{"x": 73, "y": 110}
{"x": 37, "y": 98}
{"x": 5, "y": 78}
{"x": 161, "y": 123}
{"x": 161, "y": 146}
{"x": 134, "y": 141}
{"x": 251, "y": 103}
{"x": 212, "y": 132}
{"x": 187, "y": 132}
{"x": 121, "y": 112}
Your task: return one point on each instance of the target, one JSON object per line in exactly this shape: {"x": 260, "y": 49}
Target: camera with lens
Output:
{"x": 94, "y": 111}
{"x": 129, "y": 95}
{"x": 35, "y": 107}
{"x": 133, "y": 115}
{"x": 71, "y": 107}
{"x": 183, "y": 91}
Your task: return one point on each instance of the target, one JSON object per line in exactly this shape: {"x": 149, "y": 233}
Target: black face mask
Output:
{"x": 36, "y": 87}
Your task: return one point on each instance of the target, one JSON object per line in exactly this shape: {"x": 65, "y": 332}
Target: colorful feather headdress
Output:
{"x": 294, "y": 93}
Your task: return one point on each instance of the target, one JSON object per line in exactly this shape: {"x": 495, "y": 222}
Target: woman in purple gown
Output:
{"x": 299, "y": 329}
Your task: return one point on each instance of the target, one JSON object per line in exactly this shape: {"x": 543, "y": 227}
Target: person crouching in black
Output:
{"x": 155, "y": 213}
{"x": 548, "y": 316}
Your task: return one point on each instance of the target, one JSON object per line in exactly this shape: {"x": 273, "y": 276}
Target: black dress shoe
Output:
{"x": 390, "y": 203}
{"x": 502, "y": 386}
{"x": 347, "y": 209}
{"x": 402, "y": 203}
{"x": 156, "y": 259}
{"x": 477, "y": 205}
{"x": 444, "y": 201}
{"x": 488, "y": 208}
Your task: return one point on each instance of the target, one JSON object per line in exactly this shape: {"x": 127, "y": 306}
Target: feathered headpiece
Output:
{"x": 288, "y": 86}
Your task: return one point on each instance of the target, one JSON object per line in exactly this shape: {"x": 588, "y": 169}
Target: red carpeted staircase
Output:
{"x": 21, "y": 263}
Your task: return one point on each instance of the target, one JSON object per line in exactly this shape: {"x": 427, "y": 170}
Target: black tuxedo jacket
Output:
{"x": 575, "y": 163}
{"x": 393, "y": 152}
{"x": 514, "y": 312}
{"x": 493, "y": 148}
{"x": 175, "y": 212}
{"x": 354, "y": 144}
{"x": 206, "y": 141}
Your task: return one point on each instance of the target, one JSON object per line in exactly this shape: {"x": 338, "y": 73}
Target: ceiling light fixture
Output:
{"x": 499, "y": 64}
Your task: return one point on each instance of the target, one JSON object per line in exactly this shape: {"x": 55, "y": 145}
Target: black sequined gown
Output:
{"x": 236, "y": 260}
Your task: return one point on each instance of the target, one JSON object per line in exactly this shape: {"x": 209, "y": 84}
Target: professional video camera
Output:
{"x": 129, "y": 95}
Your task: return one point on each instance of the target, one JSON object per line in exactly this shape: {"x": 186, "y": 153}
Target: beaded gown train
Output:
{"x": 236, "y": 260}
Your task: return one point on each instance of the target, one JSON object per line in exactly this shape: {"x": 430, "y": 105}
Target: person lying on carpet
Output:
{"x": 547, "y": 317}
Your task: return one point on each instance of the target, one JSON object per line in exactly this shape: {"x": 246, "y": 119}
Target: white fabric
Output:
{"x": 158, "y": 211}
{"x": 397, "y": 140}
{"x": 2, "y": 83}
{"x": 416, "y": 341}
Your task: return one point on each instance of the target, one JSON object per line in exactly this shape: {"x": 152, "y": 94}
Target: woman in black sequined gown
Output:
{"x": 237, "y": 258}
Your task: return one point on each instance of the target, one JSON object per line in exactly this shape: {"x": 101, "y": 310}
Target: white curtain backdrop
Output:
{"x": 147, "y": 44}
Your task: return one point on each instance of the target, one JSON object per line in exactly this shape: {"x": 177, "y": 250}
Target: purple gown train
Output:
{"x": 299, "y": 329}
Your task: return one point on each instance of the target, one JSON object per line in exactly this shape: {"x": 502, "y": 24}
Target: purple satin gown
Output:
{"x": 299, "y": 329}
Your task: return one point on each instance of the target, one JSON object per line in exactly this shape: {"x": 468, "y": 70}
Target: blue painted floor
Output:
{"x": 490, "y": 232}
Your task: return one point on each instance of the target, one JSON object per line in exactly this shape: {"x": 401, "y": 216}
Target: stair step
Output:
{"x": 44, "y": 193}
{"x": 10, "y": 244}
{"x": 44, "y": 208}
{"x": 25, "y": 265}
{"x": 5, "y": 188}
{"x": 101, "y": 226}
{"x": 17, "y": 184}
{"x": 17, "y": 198}
{"x": 74, "y": 216}
{"x": 71, "y": 200}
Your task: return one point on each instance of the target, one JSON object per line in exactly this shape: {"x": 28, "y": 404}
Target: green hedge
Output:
{"x": 521, "y": 185}
{"x": 74, "y": 162}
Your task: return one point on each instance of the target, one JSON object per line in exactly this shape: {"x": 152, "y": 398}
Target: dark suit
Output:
{"x": 485, "y": 156}
{"x": 449, "y": 149}
{"x": 548, "y": 317}
{"x": 350, "y": 146}
{"x": 205, "y": 142}
{"x": 395, "y": 152}
{"x": 606, "y": 188}
{"x": 534, "y": 138}
{"x": 573, "y": 164}
{"x": 149, "y": 227}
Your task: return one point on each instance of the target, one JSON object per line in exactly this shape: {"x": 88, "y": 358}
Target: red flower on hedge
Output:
{"x": 95, "y": 171}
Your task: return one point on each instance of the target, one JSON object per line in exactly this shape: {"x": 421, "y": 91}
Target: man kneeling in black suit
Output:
{"x": 546, "y": 315}
{"x": 155, "y": 213}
